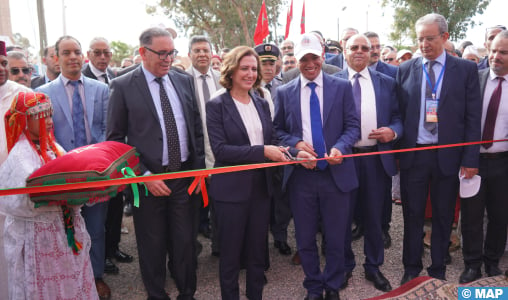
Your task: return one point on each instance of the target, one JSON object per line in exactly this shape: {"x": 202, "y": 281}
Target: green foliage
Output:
{"x": 228, "y": 23}
{"x": 22, "y": 41}
{"x": 458, "y": 13}
{"x": 120, "y": 51}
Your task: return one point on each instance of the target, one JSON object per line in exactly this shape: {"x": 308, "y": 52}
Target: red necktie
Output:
{"x": 490, "y": 119}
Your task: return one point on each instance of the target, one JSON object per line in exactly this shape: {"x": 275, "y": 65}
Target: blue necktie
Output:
{"x": 357, "y": 94}
{"x": 78, "y": 116}
{"x": 317, "y": 126}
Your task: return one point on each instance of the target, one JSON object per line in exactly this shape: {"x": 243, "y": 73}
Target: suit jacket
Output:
{"x": 38, "y": 81}
{"x": 483, "y": 75}
{"x": 387, "y": 113}
{"x": 341, "y": 128}
{"x": 293, "y": 73}
{"x": 459, "y": 112}
{"x": 231, "y": 146}
{"x": 337, "y": 60}
{"x": 132, "y": 114}
{"x": 96, "y": 99}
{"x": 88, "y": 72}
{"x": 484, "y": 63}
{"x": 386, "y": 69}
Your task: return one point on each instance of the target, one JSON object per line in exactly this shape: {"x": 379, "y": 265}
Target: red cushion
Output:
{"x": 88, "y": 163}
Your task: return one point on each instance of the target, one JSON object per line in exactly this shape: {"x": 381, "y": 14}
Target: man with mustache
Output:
{"x": 19, "y": 69}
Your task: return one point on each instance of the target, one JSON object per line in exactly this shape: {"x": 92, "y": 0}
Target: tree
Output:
{"x": 228, "y": 23}
{"x": 458, "y": 13}
{"x": 120, "y": 51}
{"x": 22, "y": 41}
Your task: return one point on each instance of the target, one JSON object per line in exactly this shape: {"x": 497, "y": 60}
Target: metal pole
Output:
{"x": 43, "y": 38}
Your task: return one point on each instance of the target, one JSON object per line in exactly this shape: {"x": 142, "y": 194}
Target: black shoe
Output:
{"x": 387, "y": 240}
{"x": 205, "y": 231}
{"x": 110, "y": 267}
{"x": 407, "y": 278}
{"x": 448, "y": 258}
{"x": 122, "y": 257}
{"x": 332, "y": 295}
{"x": 380, "y": 282}
{"x": 283, "y": 247}
{"x": 313, "y": 297}
{"x": 357, "y": 233}
{"x": 347, "y": 276}
{"x": 470, "y": 274}
{"x": 492, "y": 270}
{"x": 127, "y": 209}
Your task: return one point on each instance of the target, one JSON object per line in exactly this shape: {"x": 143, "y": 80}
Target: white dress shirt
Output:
{"x": 501, "y": 127}
{"x": 305, "y": 92}
{"x": 251, "y": 121}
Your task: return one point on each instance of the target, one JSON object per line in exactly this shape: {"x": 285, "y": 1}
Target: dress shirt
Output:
{"x": 69, "y": 90}
{"x": 251, "y": 121}
{"x": 199, "y": 86}
{"x": 176, "y": 106}
{"x": 305, "y": 104}
{"x": 424, "y": 136}
{"x": 368, "y": 116}
{"x": 98, "y": 73}
{"x": 501, "y": 127}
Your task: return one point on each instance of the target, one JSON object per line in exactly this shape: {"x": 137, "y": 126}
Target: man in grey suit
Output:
{"x": 155, "y": 109}
{"x": 99, "y": 55}
{"x": 206, "y": 83}
{"x": 79, "y": 118}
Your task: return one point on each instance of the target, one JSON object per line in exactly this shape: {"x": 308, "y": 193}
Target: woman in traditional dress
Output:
{"x": 46, "y": 248}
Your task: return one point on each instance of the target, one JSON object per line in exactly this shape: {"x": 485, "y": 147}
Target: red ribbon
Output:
{"x": 200, "y": 175}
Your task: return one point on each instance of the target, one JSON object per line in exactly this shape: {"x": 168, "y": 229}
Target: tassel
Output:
{"x": 69, "y": 230}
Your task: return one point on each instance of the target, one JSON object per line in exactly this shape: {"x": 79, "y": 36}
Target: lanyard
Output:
{"x": 434, "y": 88}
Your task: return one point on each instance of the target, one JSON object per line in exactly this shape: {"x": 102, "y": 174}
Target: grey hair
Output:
{"x": 433, "y": 19}
{"x": 98, "y": 39}
{"x": 198, "y": 39}
{"x": 502, "y": 35}
{"x": 16, "y": 55}
{"x": 145, "y": 39}
{"x": 349, "y": 41}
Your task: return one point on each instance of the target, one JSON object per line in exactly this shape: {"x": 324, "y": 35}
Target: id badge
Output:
{"x": 431, "y": 110}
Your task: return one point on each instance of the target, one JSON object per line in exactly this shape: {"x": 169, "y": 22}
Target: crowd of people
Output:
{"x": 311, "y": 101}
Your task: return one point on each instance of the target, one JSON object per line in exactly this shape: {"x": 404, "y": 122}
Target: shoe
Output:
{"x": 283, "y": 247}
{"x": 332, "y": 295}
{"x": 346, "y": 280}
{"x": 380, "y": 282}
{"x": 357, "y": 233}
{"x": 127, "y": 209}
{"x": 122, "y": 257}
{"x": 448, "y": 258}
{"x": 407, "y": 278}
{"x": 205, "y": 231}
{"x": 295, "y": 260}
{"x": 110, "y": 267}
{"x": 387, "y": 240}
{"x": 102, "y": 289}
{"x": 470, "y": 274}
{"x": 492, "y": 270}
{"x": 313, "y": 297}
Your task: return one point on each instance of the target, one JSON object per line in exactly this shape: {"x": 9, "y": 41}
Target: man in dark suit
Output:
{"x": 100, "y": 55}
{"x": 493, "y": 172}
{"x": 490, "y": 34}
{"x": 339, "y": 60}
{"x": 316, "y": 113}
{"x": 375, "y": 53}
{"x": 439, "y": 105}
{"x": 380, "y": 126}
{"x": 52, "y": 68}
{"x": 156, "y": 110}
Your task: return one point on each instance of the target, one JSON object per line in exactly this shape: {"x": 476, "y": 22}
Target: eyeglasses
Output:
{"x": 163, "y": 55}
{"x": 287, "y": 48}
{"x": 376, "y": 47}
{"x": 355, "y": 48}
{"x": 25, "y": 70}
{"x": 289, "y": 62}
{"x": 98, "y": 53}
{"x": 388, "y": 59}
{"x": 429, "y": 38}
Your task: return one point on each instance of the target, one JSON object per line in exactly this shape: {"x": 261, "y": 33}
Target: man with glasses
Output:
{"x": 99, "y": 55}
{"x": 19, "y": 69}
{"x": 440, "y": 104}
{"x": 52, "y": 68}
{"x": 375, "y": 62}
{"x": 155, "y": 109}
{"x": 287, "y": 47}
{"x": 490, "y": 34}
{"x": 339, "y": 60}
{"x": 288, "y": 63}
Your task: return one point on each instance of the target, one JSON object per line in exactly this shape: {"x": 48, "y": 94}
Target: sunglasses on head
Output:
{"x": 15, "y": 71}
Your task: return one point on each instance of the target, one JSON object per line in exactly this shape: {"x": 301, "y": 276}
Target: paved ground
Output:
{"x": 284, "y": 279}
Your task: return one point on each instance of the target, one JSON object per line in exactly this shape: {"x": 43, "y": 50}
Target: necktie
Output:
{"x": 206, "y": 90}
{"x": 490, "y": 118}
{"x": 105, "y": 76}
{"x": 78, "y": 116}
{"x": 357, "y": 94}
{"x": 173, "y": 142}
{"x": 430, "y": 126}
{"x": 268, "y": 86}
{"x": 316, "y": 126}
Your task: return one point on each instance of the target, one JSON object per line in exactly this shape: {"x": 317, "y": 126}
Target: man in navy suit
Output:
{"x": 439, "y": 105}
{"x": 316, "y": 113}
{"x": 77, "y": 126}
{"x": 339, "y": 60}
{"x": 380, "y": 127}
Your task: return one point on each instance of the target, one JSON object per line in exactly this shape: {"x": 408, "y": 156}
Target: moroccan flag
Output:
{"x": 262, "y": 27}
{"x": 302, "y": 23}
{"x": 288, "y": 20}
